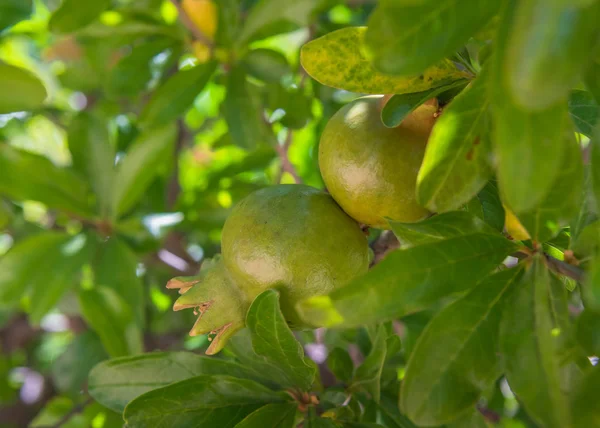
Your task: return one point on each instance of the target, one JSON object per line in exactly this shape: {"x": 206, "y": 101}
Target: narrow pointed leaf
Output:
{"x": 547, "y": 48}
{"x": 368, "y": 374}
{"x": 400, "y": 105}
{"x": 456, "y": 358}
{"x": 561, "y": 204}
{"x": 106, "y": 312}
{"x": 588, "y": 331}
{"x": 530, "y": 146}
{"x": 116, "y": 382}
{"x": 243, "y": 112}
{"x": 457, "y": 159}
{"x": 274, "y": 341}
{"x": 410, "y": 280}
{"x": 584, "y": 111}
{"x": 63, "y": 271}
{"x": 280, "y": 415}
{"x": 438, "y": 228}
{"x": 217, "y": 400}
{"x": 16, "y": 274}
{"x": 529, "y": 350}
{"x": 20, "y": 90}
{"x": 176, "y": 95}
{"x": 585, "y": 409}
{"x": 407, "y": 37}
{"x": 136, "y": 171}
{"x": 115, "y": 266}
{"x": 70, "y": 370}
{"x": 93, "y": 156}
{"x": 337, "y": 60}
{"x": 26, "y": 176}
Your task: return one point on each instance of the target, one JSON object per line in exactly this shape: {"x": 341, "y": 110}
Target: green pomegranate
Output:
{"x": 371, "y": 170}
{"x": 293, "y": 238}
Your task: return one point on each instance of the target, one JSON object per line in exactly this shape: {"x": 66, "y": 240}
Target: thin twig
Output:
{"x": 75, "y": 410}
{"x": 187, "y": 21}
{"x": 565, "y": 269}
{"x": 286, "y": 165}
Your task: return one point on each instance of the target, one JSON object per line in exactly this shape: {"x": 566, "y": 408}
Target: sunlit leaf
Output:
{"x": 407, "y": 37}
{"x": 337, "y": 60}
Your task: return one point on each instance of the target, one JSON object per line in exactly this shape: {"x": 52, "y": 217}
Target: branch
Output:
{"x": 386, "y": 243}
{"x": 196, "y": 32}
{"x": 75, "y": 410}
{"x": 286, "y": 165}
{"x": 565, "y": 269}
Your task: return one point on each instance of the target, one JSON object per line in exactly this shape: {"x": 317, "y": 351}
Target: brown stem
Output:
{"x": 196, "y": 32}
{"x": 386, "y": 242}
{"x": 286, "y": 165}
{"x": 565, "y": 269}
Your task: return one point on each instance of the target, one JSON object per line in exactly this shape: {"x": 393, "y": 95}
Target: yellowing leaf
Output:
{"x": 337, "y": 60}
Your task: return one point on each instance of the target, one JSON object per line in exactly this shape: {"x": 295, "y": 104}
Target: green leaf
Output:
{"x": 547, "y": 46}
{"x": 131, "y": 74}
{"x": 266, "y": 65}
{"x": 530, "y": 146}
{"x": 26, "y": 176}
{"x": 407, "y": 37}
{"x": 16, "y": 273}
{"x": 409, "y": 280}
{"x": 595, "y": 167}
{"x": 591, "y": 78}
{"x": 240, "y": 345}
{"x": 280, "y": 415}
{"x": 70, "y": 370}
{"x": 243, "y": 112}
{"x": 19, "y": 89}
{"x": 314, "y": 421}
{"x": 590, "y": 289}
{"x": 491, "y": 206}
{"x": 13, "y": 11}
{"x": 93, "y": 156}
{"x": 472, "y": 419}
{"x": 296, "y": 105}
{"x": 115, "y": 267}
{"x": 267, "y": 15}
{"x": 61, "y": 273}
{"x": 584, "y": 111}
{"x": 455, "y": 359}
{"x": 529, "y": 350}
{"x": 139, "y": 167}
{"x": 585, "y": 410}
{"x": 228, "y": 26}
{"x": 116, "y": 382}
{"x": 438, "y": 228}
{"x": 563, "y": 201}
{"x": 368, "y": 374}
{"x": 219, "y": 401}
{"x": 274, "y": 341}
{"x": 55, "y": 411}
{"x": 588, "y": 331}
{"x": 337, "y": 60}
{"x": 175, "y": 95}
{"x": 456, "y": 165}
{"x": 340, "y": 364}
{"x": 399, "y": 106}
{"x": 111, "y": 318}
{"x": 73, "y": 15}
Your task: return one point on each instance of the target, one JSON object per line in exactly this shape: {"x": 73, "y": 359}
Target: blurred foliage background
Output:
{"x": 128, "y": 130}
{"x": 124, "y": 175}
